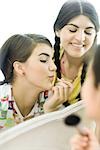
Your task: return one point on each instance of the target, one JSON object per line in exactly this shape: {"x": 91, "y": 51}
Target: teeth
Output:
{"x": 77, "y": 45}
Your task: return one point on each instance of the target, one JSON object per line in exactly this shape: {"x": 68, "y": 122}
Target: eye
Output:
{"x": 70, "y": 28}
{"x": 44, "y": 58}
{"x": 74, "y": 30}
{"x": 89, "y": 31}
{"x": 44, "y": 61}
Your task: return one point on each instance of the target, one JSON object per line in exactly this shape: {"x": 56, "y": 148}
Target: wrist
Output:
{"x": 47, "y": 108}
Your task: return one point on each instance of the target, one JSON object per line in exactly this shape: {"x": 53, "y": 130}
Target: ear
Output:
{"x": 57, "y": 33}
{"x": 18, "y": 67}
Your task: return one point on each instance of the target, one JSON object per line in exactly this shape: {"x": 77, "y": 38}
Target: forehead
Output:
{"x": 81, "y": 20}
{"x": 42, "y": 48}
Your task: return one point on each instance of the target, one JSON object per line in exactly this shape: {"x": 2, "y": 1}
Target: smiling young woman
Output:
{"x": 75, "y": 31}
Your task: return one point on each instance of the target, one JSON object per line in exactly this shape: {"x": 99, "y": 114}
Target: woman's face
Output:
{"x": 39, "y": 69}
{"x": 77, "y": 36}
{"x": 91, "y": 96}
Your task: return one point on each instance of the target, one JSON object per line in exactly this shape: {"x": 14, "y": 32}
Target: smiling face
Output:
{"x": 91, "y": 96}
{"x": 77, "y": 37}
{"x": 39, "y": 69}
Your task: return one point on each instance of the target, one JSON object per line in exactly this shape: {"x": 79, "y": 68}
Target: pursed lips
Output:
{"x": 51, "y": 77}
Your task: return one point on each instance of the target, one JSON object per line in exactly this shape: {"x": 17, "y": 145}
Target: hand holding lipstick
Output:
{"x": 59, "y": 95}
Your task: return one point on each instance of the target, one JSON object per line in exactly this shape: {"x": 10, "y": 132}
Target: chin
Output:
{"x": 48, "y": 87}
{"x": 76, "y": 55}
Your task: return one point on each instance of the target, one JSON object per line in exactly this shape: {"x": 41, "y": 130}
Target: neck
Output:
{"x": 25, "y": 98}
{"x": 70, "y": 66}
{"x": 72, "y": 61}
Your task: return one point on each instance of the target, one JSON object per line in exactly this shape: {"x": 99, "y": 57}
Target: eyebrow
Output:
{"x": 78, "y": 27}
{"x": 44, "y": 54}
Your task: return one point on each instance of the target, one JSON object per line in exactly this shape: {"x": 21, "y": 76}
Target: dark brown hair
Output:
{"x": 18, "y": 48}
{"x": 96, "y": 66}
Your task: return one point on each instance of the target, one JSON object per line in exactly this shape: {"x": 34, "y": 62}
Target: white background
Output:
{"x": 30, "y": 16}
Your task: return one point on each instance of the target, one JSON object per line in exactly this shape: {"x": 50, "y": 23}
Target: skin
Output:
{"x": 34, "y": 76}
{"x": 91, "y": 96}
{"x": 40, "y": 66}
{"x": 77, "y": 37}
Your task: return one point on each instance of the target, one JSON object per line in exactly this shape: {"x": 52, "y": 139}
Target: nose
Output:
{"x": 52, "y": 66}
{"x": 80, "y": 36}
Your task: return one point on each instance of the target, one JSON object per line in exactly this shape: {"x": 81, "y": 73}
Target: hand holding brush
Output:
{"x": 85, "y": 139}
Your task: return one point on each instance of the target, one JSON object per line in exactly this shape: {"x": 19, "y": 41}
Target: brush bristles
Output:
{"x": 72, "y": 120}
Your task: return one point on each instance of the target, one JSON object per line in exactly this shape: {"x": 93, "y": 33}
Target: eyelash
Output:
{"x": 84, "y": 31}
{"x": 43, "y": 61}
{"x": 88, "y": 33}
{"x": 72, "y": 30}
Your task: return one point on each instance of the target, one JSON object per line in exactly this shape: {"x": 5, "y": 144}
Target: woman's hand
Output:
{"x": 59, "y": 95}
{"x": 85, "y": 142}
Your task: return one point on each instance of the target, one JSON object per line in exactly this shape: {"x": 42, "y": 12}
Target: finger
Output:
{"x": 61, "y": 94}
{"x": 61, "y": 84}
{"x": 66, "y": 82}
{"x": 66, "y": 93}
{"x": 55, "y": 90}
{"x": 81, "y": 141}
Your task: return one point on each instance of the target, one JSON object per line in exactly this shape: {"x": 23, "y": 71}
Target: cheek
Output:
{"x": 39, "y": 72}
{"x": 91, "y": 41}
{"x": 36, "y": 72}
{"x": 38, "y": 67}
{"x": 63, "y": 38}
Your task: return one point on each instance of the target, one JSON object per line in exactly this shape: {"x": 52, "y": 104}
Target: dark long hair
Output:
{"x": 96, "y": 66}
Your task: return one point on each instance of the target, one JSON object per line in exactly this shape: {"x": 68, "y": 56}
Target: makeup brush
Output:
{"x": 74, "y": 121}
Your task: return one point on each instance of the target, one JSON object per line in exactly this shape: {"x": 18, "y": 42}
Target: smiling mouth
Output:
{"x": 78, "y": 45}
